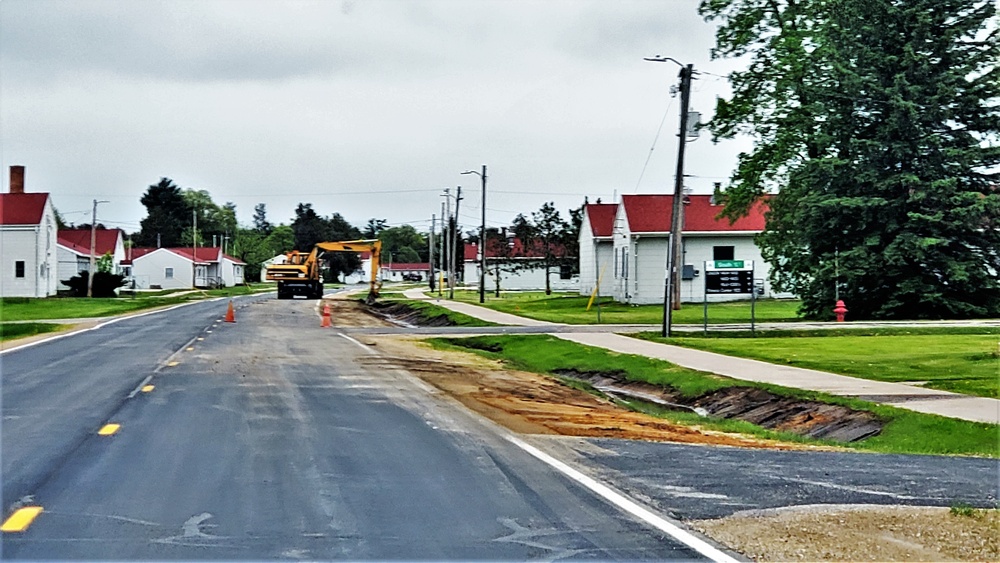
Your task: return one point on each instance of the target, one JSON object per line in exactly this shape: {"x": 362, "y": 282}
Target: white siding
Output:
{"x": 521, "y": 280}
{"x": 35, "y": 245}
{"x": 70, "y": 264}
{"x": 150, "y": 270}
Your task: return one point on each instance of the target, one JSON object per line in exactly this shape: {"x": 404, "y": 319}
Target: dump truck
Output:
{"x": 300, "y": 274}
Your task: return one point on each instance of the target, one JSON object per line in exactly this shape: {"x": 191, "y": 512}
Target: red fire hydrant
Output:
{"x": 840, "y": 310}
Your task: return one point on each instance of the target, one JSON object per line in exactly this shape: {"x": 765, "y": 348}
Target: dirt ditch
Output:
{"x": 401, "y": 313}
{"x": 759, "y": 406}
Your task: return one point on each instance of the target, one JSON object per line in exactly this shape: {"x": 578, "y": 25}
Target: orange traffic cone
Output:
{"x": 326, "y": 317}
{"x": 230, "y": 313}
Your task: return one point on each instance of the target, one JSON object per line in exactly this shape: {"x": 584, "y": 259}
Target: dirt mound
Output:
{"x": 401, "y": 313}
{"x": 758, "y": 406}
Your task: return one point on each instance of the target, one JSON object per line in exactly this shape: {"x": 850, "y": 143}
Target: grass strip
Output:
{"x": 10, "y": 331}
{"x": 572, "y": 309}
{"x": 961, "y": 360}
{"x": 904, "y": 431}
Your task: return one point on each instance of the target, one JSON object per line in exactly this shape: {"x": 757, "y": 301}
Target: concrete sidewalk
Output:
{"x": 915, "y": 398}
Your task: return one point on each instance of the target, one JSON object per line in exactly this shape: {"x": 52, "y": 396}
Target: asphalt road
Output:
{"x": 267, "y": 439}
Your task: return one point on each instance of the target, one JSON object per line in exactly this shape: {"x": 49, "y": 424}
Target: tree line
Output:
{"x": 172, "y": 211}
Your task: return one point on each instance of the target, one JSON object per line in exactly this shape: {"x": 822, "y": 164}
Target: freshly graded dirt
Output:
{"x": 534, "y": 404}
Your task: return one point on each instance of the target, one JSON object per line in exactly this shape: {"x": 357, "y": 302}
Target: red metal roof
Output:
{"x": 652, "y": 214}
{"x": 206, "y": 254}
{"x": 407, "y": 266}
{"x": 22, "y": 209}
{"x": 602, "y": 218}
{"x": 78, "y": 240}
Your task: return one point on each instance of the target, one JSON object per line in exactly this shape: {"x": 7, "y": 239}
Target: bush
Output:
{"x": 105, "y": 284}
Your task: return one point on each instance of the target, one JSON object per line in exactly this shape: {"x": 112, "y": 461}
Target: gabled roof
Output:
{"x": 205, "y": 254}
{"x": 78, "y": 240}
{"x": 22, "y": 209}
{"x": 497, "y": 247}
{"x": 602, "y": 218}
{"x": 652, "y": 214}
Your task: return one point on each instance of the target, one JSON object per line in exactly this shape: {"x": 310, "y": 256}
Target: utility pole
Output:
{"x": 482, "y": 238}
{"x": 194, "y": 248}
{"x": 430, "y": 244}
{"x": 444, "y": 238}
{"x": 454, "y": 250}
{"x": 93, "y": 243}
{"x": 672, "y": 284}
{"x": 449, "y": 236}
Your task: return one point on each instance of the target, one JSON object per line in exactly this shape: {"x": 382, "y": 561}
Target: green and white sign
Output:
{"x": 731, "y": 265}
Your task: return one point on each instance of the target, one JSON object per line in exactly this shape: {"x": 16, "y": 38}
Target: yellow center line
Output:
{"x": 148, "y": 388}
{"x": 200, "y": 339}
{"x": 21, "y": 519}
{"x": 190, "y": 348}
{"x": 109, "y": 429}
{"x": 172, "y": 364}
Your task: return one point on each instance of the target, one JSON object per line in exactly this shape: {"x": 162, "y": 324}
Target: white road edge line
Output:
{"x": 104, "y": 324}
{"x": 140, "y": 386}
{"x": 628, "y": 505}
{"x": 358, "y": 342}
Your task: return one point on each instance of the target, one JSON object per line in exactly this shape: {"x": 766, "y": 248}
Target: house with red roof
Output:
{"x": 406, "y": 271}
{"x": 513, "y": 265}
{"x": 597, "y": 248}
{"x": 73, "y": 251}
{"x": 183, "y": 267}
{"x": 641, "y": 236}
{"x": 27, "y": 241}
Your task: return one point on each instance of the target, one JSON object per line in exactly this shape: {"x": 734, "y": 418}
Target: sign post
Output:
{"x": 730, "y": 277}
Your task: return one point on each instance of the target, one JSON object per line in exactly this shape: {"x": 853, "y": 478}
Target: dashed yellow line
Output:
{"x": 190, "y": 348}
{"x": 147, "y": 388}
{"x": 172, "y": 364}
{"x": 109, "y": 429}
{"x": 21, "y": 519}
{"x": 200, "y": 339}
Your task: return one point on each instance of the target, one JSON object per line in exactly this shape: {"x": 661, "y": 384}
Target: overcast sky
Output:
{"x": 366, "y": 108}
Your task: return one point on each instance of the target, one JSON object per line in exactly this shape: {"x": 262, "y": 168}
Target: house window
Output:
{"x": 565, "y": 271}
{"x": 19, "y": 269}
{"x": 723, "y": 252}
{"x": 168, "y": 273}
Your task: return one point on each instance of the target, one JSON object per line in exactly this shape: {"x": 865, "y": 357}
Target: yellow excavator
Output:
{"x": 300, "y": 274}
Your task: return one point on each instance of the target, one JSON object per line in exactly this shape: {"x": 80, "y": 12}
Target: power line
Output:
{"x": 651, "y": 148}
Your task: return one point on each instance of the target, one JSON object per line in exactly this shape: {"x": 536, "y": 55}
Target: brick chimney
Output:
{"x": 17, "y": 179}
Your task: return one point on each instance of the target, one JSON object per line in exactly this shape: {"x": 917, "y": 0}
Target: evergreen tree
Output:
{"x": 167, "y": 215}
{"x": 878, "y": 120}
{"x": 260, "y": 222}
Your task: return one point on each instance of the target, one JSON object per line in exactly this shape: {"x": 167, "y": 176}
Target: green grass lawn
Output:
{"x": 960, "y": 360}
{"x": 905, "y": 431}
{"x": 572, "y": 309}
{"x": 24, "y": 308}
{"x": 429, "y": 311}
{"x": 9, "y": 331}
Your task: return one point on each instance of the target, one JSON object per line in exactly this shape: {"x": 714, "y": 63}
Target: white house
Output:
{"x": 27, "y": 241}
{"x": 176, "y": 268}
{"x": 641, "y": 239}
{"x": 73, "y": 251}
{"x": 519, "y": 268}
{"x": 597, "y": 248}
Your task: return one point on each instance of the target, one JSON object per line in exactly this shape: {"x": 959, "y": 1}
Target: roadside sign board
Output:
{"x": 729, "y": 277}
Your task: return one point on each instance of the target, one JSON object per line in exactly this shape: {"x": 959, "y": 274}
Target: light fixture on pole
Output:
{"x": 93, "y": 242}
{"x": 672, "y": 284}
{"x": 482, "y": 238}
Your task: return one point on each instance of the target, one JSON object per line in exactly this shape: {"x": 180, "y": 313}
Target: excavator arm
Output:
{"x": 300, "y": 274}
{"x": 372, "y": 245}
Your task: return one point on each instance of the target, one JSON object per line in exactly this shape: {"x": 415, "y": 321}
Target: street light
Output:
{"x": 93, "y": 242}
{"x": 672, "y": 284}
{"x": 482, "y": 238}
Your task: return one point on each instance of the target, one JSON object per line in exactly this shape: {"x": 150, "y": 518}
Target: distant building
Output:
{"x": 519, "y": 267}
{"x": 176, "y": 268}
{"x": 642, "y": 235}
{"x": 401, "y": 271}
{"x": 73, "y": 251}
{"x": 27, "y": 241}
